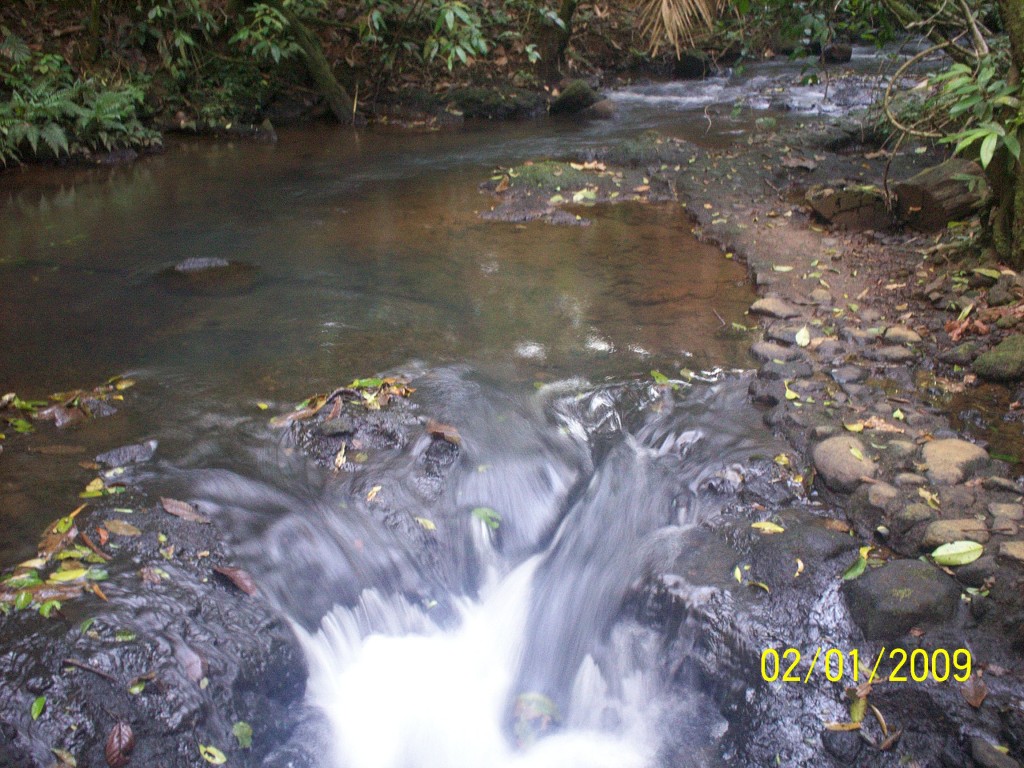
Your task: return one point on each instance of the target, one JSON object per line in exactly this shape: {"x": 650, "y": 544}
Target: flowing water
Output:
{"x": 364, "y": 252}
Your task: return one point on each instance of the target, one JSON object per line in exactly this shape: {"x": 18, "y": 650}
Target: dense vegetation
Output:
{"x": 82, "y": 77}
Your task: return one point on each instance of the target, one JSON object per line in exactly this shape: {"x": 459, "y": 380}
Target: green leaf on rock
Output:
{"x": 491, "y": 518}
{"x": 957, "y": 553}
{"x": 22, "y": 601}
{"x": 38, "y": 707}
{"x": 212, "y": 755}
{"x": 856, "y": 569}
{"x": 858, "y": 708}
{"x": 243, "y": 732}
{"x": 46, "y": 609}
{"x": 803, "y": 337}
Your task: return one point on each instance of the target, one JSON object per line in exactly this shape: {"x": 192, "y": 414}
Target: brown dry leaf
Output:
{"x": 590, "y": 165}
{"x": 182, "y": 509}
{"x": 373, "y": 492}
{"x": 239, "y": 577}
{"x": 881, "y": 425}
{"x": 974, "y": 690}
{"x": 120, "y": 743}
{"x": 122, "y": 528}
{"x": 503, "y": 185}
{"x": 103, "y": 536}
{"x": 642, "y": 188}
{"x": 842, "y": 726}
{"x": 836, "y": 525}
{"x": 890, "y": 742}
{"x": 444, "y": 431}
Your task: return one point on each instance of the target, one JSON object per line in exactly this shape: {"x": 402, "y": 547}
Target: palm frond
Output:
{"x": 675, "y": 21}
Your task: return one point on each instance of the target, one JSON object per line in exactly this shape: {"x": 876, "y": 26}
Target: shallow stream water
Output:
{"x": 365, "y": 253}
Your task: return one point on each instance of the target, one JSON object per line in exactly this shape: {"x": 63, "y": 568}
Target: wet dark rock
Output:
{"x": 785, "y": 371}
{"x": 986, "y": 755}
{"x": 692, "y": 65}
{"x": 951, "y": 461}
{"x": 839, "y": 467}
{"x": 1003, "y": 292}
{"x": 844, "y": 746}
{"x": 995, "y": 483}
{"x": 604, "y": 109}
{"x": 768, "y": 350}
{"x": 128, "y": 454}
{"x": 774, "y": 307}
{"x": 913, "y": 514}
{"x": 849, "y": 374}
{"x": 820, "y": 296}
{"x": 1005, "y": 362}
{"x": 891, "y": 354}
{"x": 96, "y": 408}
{"x": 961, "y": 354}
{"x": 911, "y": 479}
{"x": 575, "y": 97}
{"x": 975, "y": 574}
{"x": 767, "y": 392}
{"x": 786, "y": 332}
{"x": 889, "y": 601}
{"x": 495, "y": 104}
{"x": 837, "y": 53}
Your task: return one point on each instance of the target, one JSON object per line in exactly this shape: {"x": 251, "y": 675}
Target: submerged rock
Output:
{"x": 889, "y": 601}
{"x": 842, "y": 463}
{"x": 203, "y": 276}
{"x": 128, "y": 454}
{"x": 1004, "y": 362}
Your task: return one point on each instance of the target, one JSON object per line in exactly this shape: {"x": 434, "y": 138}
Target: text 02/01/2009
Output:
{"x": 918, "y": 665}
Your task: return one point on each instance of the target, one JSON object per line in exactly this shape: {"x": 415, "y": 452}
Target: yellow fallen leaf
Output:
{"x": 427, "y": 523}
{"x": 766, "y": 527}
{"x": 373, "y": 492}
{"x": 799, "y": 567}
{"x": 857, "y": 454}
{"x": 857, "y": 426}
{"x": 94, "y": 485}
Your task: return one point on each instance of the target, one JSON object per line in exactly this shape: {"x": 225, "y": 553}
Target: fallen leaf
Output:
{"x": 799, "y": 567}
{"x": 182, "y": 509}
{"x": 858, "y": 708}
{"x": 239, "y": 577}
{"x": 855, "y": 427}
{"x": 842, "y": 726}
{"x": 38, "y": 707}
{"x": 121, "y": 528}
{"x": 243, "y": 732}
{"x": 212, "y": 755}
{"x": 957, "y": 553}
{"x": 974, "y": 690}
{"x": 782, "y": 268}
{"x": 803, "y": 337}
{"x": 426, "y": 523}
{"x": 373, "y": 492}
{"x": 120, "y": 743}
{"x": 767, "y": 528}
{"x": 857, "y": 453}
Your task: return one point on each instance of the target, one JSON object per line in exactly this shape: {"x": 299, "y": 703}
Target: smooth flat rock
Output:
{"x": 798, "y": 369}
{"x": 985, "y": 755}
{"x": 849, "y": 374}
{"x": 900, "y": 334}
{"x": 765, "y": 351}
{"x": 1004, "y": 362}
{"x": 771, "y": 306}
{"x": 891, "y": 354}
{"x": 913, "y": 514}
{"x": 1012, "y": 550}
{"x": 889, "y": 601}
{"x": 941, "y": 532}
{"x": 1013, "y": 512}
{"x": 949, "y": 461}
{"x": 839, "y": 468}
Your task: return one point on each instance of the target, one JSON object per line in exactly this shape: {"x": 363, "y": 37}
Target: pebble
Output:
{"x": 880, "y": 494}
{"x": 910, "y": 479}
{"x": 1013, "y": 512}
{"x": 837, "y": 465}
{"x": 766, "y": 351}
{"x": 1012, "y": 550}
{"x": 891, "y": 354}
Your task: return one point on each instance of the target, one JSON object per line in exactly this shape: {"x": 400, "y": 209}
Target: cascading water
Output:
{"x": 518, "y": 652}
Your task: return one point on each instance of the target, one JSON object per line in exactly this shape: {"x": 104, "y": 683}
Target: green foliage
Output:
{"x": 180, "y": 29}
{"x": 264, "y": 32}
{"x": 47, "y": 112}
{"x": 984, "y": 108}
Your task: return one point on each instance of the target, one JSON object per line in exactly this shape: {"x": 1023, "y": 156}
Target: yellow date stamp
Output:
{"x": 789, "y": 665}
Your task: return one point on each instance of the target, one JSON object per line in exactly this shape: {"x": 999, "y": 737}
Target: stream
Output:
{"x": 457, "y": 640}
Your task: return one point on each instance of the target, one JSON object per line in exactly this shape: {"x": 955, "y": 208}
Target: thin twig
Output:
{"x": 895, "y": 78}
{"x": 87, "y": 668}
{"x": 718, "y": 316}
{"x": 89, "y": 543}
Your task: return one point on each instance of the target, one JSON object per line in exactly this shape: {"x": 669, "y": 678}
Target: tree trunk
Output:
{"x": 1012, "y": 15}
{"x": 939, "y": 195}
{"x": 554, "y": 41}
{"x": 317, "y": 65}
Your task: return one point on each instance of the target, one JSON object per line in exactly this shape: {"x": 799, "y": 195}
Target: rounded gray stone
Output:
{"x": 837, "y": 464}
{"x": 949, "y": 461}
{"x": 889, "y": 601}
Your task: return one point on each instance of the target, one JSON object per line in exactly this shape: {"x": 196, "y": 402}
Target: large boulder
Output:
{"x": 841, "y": 463}
{"x": 950, "y": 461}
{"x": 889, "y": 601}
{"x": 575, "y": 97}
{"x": 1004, "y": 362}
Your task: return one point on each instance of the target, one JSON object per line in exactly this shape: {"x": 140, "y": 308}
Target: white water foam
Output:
{"x": 400, "y": 692}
